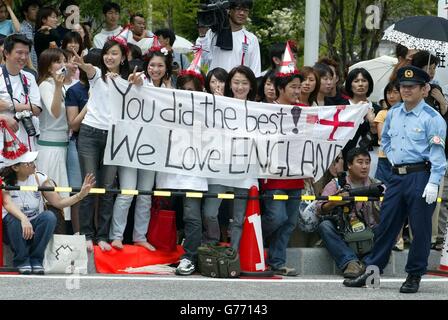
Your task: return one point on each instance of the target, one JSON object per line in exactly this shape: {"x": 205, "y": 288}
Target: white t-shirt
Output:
{"x": 19, "y": 97}
{"x": 235, "y": 183}
{"x": 31, "y": 203}
{"x": 144, "y": 44}
{"x": 228, "y": 59}
{"x": 100, "y": 39}
{"x": 98, "y": 107}
{"x": 181, "y": 182}
{"x": 51, "y": 128}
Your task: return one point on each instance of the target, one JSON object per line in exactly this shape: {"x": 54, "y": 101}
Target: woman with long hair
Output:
{"x": 310, "y": 86}
{"x": 27, "y": 224}
{"x": 358, "y": 86}
{"x": 157, "y": 72}
{"x": 241, "y": 84}
{"x": 191, "y": 213}
{"x": 93, "y": 136}
{"x": 75, "y": 100}
{"x": 54, "y": 80}
{"x": 266, "y": 90}
{"x": 216, "y": 81}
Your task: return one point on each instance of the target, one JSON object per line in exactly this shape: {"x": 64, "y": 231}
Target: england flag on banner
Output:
{"x": 337, "y": 122}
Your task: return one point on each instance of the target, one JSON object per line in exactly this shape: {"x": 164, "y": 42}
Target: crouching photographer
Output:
{"x": 346, "y": 227}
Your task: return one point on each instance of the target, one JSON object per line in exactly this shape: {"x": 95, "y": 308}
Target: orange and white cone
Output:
{"x": 252, "y": 261}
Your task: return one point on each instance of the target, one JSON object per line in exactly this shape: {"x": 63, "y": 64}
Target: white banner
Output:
{"x": 441, "y": 77}
{"x": 196, "y": 133}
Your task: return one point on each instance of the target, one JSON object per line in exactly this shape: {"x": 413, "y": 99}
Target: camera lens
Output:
{"x": 29, "y": 126}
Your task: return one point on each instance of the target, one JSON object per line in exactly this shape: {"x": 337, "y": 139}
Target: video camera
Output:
{"x": 374, "y": 190}
{"x": 213, "y": 14}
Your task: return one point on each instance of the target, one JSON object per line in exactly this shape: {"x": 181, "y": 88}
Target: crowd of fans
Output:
{"x": 59, "y": 76}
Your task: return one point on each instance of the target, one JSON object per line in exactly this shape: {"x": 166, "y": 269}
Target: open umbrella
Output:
{"x": 182, "y": 45}
{"x": 420, "y": 32}
{"x": 380, "y": 69}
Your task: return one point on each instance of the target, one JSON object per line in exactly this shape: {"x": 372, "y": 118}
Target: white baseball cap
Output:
{"x": 26, "y": 157}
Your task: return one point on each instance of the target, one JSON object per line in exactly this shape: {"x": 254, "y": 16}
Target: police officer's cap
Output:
{"x": 411, "y": 75}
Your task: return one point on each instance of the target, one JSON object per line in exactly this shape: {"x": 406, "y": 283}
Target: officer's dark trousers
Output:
{"x": 403, "y": 199}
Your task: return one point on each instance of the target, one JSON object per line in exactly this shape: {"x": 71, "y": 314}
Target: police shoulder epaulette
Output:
{"x": 430, "y": 111}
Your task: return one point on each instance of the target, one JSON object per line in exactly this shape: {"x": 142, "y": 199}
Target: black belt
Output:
{"x": 413, "y": 167}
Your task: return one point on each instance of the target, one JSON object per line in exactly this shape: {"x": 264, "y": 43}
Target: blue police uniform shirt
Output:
{"x": 416, "y": 136}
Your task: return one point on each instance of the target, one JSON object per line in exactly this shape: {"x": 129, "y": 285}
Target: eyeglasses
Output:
{"x": 242, "y": 9}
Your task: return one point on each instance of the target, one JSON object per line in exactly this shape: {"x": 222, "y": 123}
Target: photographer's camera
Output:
{"x": 25, "y": 117}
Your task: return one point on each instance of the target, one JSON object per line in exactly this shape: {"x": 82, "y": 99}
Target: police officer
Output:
{"x": 413, "y": 140}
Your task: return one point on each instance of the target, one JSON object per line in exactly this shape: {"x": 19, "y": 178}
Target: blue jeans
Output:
{"x": 92, "y": 142}
{"x": 73, "y": 168}
{"x": 29, "y": 252}
{"x": 278, "y": 221}
{"x": 210, "y": 211}
{"x": 192, "y": 225}
{"x": 338, "y": 248}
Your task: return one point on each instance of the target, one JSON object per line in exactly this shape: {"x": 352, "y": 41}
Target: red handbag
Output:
{"x": 162, "y": 229}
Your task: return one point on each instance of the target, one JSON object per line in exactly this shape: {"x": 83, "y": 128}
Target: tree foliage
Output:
{"x": 346, "y": 38}
{"x": 179, "y": 15}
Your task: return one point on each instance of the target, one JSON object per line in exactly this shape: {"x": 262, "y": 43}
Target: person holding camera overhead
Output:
{"x": 357, "y": 216}
{"x": 19, "y": 93}
{"x": 54, "y": 80}
{"x": 413, "y": 140}
{"x": 229, "y": 48}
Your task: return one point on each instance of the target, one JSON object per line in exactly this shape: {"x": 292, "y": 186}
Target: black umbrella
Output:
{"x": 420, "y": 32}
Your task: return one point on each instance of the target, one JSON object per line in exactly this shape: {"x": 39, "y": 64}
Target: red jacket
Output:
{"x": 288, "y": 184}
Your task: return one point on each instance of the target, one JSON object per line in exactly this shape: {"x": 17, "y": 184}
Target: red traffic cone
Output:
{"x": 443, "y": 267}
{"x": 252, "y": 261}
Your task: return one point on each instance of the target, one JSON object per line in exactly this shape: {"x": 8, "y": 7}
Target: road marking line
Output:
{"x": 157, "y": 278}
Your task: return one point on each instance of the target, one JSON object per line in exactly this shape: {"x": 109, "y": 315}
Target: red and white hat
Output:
{"x": 156, "y": 46}
{"x": 122, "y": 38}
{"x": 288, "y": 66}
{"x": 14, "y": 151}
{"x": 195, "y": 67}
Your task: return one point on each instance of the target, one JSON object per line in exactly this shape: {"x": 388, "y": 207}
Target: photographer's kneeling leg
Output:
{"x": 345, "y": 258}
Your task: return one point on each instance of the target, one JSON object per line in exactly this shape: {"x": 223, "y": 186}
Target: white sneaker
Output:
{"x": 185, "y": 267}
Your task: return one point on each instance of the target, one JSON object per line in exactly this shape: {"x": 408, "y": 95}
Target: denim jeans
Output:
{"x": 131, "y": 178}
{"x": 73, "y": 168}
{"x": 92, "y": 143}
{"x": 29, "y": 252}
{"x": 192, "y": 228}
{"x": 338, "y": 248}
{"x": 210, "y": 212}
{"x": 278, "y": 221}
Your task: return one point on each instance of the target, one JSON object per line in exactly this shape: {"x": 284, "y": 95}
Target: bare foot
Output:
{"x": 146, "y": 245}
{"x": 104, "y": 246}
{"x": 117, "y": 244}
{"x": 89, "y": 245}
